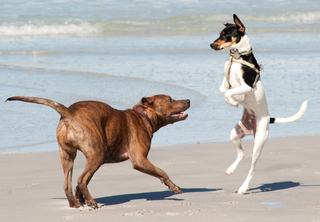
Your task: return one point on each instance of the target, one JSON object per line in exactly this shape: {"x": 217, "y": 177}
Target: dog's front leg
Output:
{"x": 223, "y": 87}
{"x": 223, "y": 90}
{"x": 241, "y": 90}
{"x": 141, "y": 163}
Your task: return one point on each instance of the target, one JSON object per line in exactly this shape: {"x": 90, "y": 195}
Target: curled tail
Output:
{"x": 61, "y": 109}
{"x": 293, "y": 118}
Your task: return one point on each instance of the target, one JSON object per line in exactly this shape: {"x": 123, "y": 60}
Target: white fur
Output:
{"x": 254, "y": 102}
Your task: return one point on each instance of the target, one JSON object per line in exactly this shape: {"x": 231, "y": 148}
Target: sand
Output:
{"x": 285, "y": 187}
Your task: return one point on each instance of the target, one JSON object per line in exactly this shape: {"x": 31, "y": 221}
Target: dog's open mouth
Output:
{"x": 179, "y": 115}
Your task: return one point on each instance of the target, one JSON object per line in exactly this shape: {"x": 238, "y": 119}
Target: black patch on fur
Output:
{"x": 249, "y": 75}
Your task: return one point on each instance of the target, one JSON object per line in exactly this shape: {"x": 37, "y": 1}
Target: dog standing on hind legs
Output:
{"x": 242, "y": 85}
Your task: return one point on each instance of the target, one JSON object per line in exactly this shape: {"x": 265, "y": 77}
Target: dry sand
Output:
{"x": 286, "y": 185}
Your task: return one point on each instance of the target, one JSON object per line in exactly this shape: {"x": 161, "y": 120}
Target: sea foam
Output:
{"x": 46, "y": 29}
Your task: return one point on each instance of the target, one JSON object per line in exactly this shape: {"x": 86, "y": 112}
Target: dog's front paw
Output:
{"x": 175, "y": 190}
{"x": 232, "y": 102}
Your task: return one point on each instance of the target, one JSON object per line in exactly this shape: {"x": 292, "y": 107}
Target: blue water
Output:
{"x": 119, "y": 51}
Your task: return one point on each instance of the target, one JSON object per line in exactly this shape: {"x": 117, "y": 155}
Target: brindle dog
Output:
{"x": 107, "y": 135}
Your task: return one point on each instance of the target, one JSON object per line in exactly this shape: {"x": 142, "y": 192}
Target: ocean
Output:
{"x": 118, "y": 51}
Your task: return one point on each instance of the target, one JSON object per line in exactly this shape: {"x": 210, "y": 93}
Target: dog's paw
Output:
{"x": 231, "y": 101}
{"x": 175, "y": 190}
{"x": 93, "y": 204}
{"x": 229, "y": 171}
{"x": 243, "y": 189}
{"x": 75, "y": 204}
{"x": 235, "y": 104}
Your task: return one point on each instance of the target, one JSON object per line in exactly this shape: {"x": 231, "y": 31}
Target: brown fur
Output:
{"x": 106, "y": 135}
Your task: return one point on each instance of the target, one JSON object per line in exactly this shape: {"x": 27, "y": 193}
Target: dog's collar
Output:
{"x": 145, "y": 116}
{"x": 236, "y": 54}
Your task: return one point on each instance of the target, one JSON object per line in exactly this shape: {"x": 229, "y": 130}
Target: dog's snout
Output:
{"x": 215, "y": 45}
{"x": 188, "y": 102}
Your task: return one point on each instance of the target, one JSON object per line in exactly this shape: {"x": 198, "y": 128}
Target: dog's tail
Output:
{"x": 293, "y": 118}
{"x": 61, "y": 109}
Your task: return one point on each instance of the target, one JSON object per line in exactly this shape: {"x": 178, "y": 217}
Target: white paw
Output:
{"x": 230, "y": 170}
{"x": 243, "y": 189}
{"x": 235, "y": 104}
{"x": 232, "y": 102}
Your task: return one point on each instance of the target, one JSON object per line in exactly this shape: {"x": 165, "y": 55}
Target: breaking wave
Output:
{"x": 83, "y": 28}
{"x": 186, "y": 23}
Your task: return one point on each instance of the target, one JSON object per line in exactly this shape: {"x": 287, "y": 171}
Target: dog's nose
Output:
{"x": 188, "y": 102}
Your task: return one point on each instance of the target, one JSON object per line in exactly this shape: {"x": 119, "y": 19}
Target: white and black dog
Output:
{"x": 242, "y": 85}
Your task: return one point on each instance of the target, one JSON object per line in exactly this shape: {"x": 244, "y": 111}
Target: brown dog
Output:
{"x": 107, "y": 135}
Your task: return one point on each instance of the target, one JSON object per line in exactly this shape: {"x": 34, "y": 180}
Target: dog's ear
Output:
{"x": 145, "y": 101}
{"x": 239, "y": 23}
{"x": 227, "y": 24}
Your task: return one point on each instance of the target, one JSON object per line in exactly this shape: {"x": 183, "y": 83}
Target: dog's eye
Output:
{"x": 170, "y": 100}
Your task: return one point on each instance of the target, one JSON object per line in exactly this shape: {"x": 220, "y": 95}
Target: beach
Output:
{"x": 285, "y": 186}
{"x": 119, "y": 51}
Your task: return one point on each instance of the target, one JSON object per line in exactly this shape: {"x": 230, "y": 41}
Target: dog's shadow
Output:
{"x": 160, "y": 195}
{"x": 274, "y": 186}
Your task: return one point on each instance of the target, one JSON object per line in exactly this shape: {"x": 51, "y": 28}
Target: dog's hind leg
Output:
{"x": 67, "y": 159}
{"x": 261, "y": 136}
{"x": 236, "y": 135}
{"x": 244, "y": 128}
